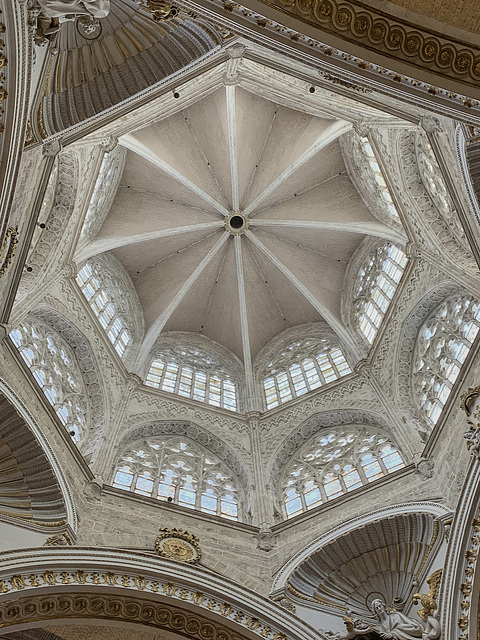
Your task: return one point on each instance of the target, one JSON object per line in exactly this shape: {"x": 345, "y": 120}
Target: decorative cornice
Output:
{"x": 395, "y": 38}
{"x": 106, "y": 607}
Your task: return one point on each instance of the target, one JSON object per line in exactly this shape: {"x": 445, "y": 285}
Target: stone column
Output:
{"x": 261, "y": 491}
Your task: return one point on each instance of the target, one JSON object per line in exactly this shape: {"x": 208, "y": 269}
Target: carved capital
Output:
{"x": 266, "y": 539}
{"x": 109, "y": 143}
{"x": 424, "y": 468}
{"x": 51, "y": 148}
{"x": 430, "y": 124}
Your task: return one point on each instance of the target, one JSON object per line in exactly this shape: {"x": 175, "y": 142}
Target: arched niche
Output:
{"x": 34, "y": 495}
{"x": 385, "y": 553}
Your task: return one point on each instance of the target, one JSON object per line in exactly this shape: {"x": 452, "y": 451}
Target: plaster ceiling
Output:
{"x": 281, "y": 170}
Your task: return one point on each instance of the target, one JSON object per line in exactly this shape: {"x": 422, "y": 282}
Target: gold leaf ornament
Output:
{"x": 179, "y": 545}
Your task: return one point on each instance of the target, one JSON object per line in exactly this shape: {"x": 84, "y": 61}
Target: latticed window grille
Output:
{"x": 376, "y": 283}
{"x": 307, "y": 365}
{"x": 176, "y": 469}
{"x": 88, "y": 279}
{"x": 336, "y": 462}
{"x": 379, "y": 179}
{"x": 432, "y": 177}
{"x": 54, "y": 368}
{"x": 442, "y": 345}
{"x": 182, "y": 373}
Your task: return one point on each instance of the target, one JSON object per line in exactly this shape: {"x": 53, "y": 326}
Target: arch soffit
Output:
{"x": 26, "y": 442}
{"x": 65, "y": 191}
{"x": 436, "y": 510}
{"x": 88, "y": 367}
{"x": 408, "y": 336}
{"x": 195, "y": 433}
{"x": 139, "y": 588}
{"x": 414, "y": 196}
{"x": 314, "y": 425}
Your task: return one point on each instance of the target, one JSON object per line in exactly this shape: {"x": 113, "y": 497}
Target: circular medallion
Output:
{"x": 178, "y": 545}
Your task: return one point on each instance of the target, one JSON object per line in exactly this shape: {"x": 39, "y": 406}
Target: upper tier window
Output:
{"x": 185, "y": 379}
{"x": 379, "y": 179}
{"x": 56, "y": 371}
{"x": 178, "y": 470}
{"x": 336, "y": 462}
{"x": 376, "y": 283}
{"x": 88, "y": 279}
{"x": 303, "y": 365}
{"x": 442, "y": 345}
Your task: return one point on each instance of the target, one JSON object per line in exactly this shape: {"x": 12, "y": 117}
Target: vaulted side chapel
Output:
{"x": 239, "y": 320}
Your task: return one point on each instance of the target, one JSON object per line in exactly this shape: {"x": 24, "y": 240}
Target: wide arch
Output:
{"x": 136, "y": 587}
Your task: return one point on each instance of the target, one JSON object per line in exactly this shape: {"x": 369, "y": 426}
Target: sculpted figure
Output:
{"x": 68, "y": 9}
{"x": 393, "y": 625}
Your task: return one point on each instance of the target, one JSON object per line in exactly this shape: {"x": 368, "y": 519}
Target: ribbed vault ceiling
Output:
{"x": 282, "y": 171}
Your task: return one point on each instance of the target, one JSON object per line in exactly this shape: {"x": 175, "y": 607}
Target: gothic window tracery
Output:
{"x": 379, "y": 179}
{"x": 178, "y": 470}
{"x": 89, "y": 281}
{"x": 336, "y": 462}
{"x": 53, "y": 365}
{"x": 376, "y": 283}
{"x": 303, "y": 366}
{"x": 442, "y": 345}
{"x": 193, "y": 373}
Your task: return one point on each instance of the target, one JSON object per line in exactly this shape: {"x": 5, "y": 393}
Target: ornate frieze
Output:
{"x": 394, "y": 38}
{"x": 7, "y": 249}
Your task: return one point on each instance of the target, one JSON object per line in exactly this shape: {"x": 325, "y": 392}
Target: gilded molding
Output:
{"x": 393, "y": 37}
{"x": 106, "y": 607}
{"x": 428, "y": 600}
{"x": 468, "y": 574}
{"x": 63, "y": 606}
{"x": 7, "y": 249}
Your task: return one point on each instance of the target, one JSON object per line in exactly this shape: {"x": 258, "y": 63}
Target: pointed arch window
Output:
{"x": 88, "y": 279}
{"x": 303, "y": 366}
{"x": 442, "y": 345}
{"x": 178, "y": 470}
{"x": 379, "y": 178}
{"x": 336, "y": 462}
{"x": 376, "y": 283}
{"x": 193, "y": 374}
{"x": 55, "y": 370}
